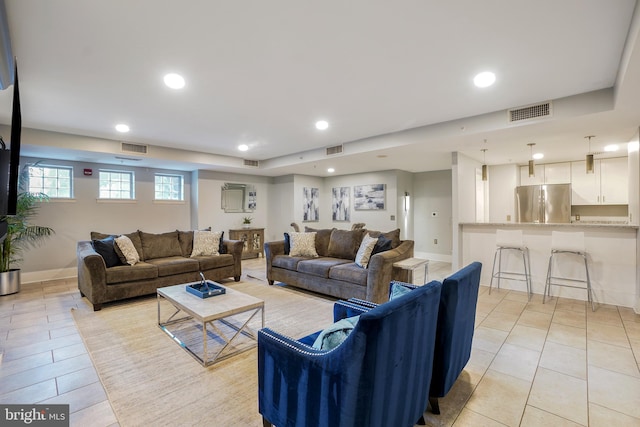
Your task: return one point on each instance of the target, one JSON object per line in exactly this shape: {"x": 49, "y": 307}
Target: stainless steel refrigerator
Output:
{"x": 547, "y": 203}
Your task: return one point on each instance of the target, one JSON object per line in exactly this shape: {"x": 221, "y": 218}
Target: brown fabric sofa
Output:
{"x": 334, "y": 271}
{"x": 164, "y": 261}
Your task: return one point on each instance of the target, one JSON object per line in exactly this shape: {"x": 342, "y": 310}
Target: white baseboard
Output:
{"x": 432, "y": 256}
{"x": 47, "y": 275}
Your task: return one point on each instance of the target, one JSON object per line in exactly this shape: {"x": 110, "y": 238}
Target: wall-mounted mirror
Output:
{"x": 238, "y": 197}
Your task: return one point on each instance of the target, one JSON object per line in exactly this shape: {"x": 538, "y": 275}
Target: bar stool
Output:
{"x": 511, "y": 240}
{"x": 572, "y": 244}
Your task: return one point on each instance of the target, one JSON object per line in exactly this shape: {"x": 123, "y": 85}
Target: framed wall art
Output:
{"x": 311, "y": 208}
{"x": 340, "y": 203}
{"x": 369, "y": 197}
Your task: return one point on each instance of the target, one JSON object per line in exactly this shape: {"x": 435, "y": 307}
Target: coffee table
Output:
{"x": 216, "y": 318}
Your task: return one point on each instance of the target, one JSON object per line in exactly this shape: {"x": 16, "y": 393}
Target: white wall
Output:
{"x": 432, "y": 194}
{"x": 73, "y": 220}
{"x": 463, "y": 183}
{"x": 281, "y": 208}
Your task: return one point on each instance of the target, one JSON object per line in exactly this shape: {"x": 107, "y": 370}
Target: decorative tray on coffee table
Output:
{"x": 205, "y": 289}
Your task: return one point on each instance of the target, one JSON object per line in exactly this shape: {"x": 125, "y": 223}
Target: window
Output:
{"x": 116, "y": 185}
{"x": 54, "y": 181}
{"x": 169, "y": 187}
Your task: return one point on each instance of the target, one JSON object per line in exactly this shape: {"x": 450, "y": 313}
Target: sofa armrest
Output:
{"x": 235, "y": 248}
{"x": 92, "y": 274}
{"x": 381, "y": 270}
{"x": 271, "y": 249}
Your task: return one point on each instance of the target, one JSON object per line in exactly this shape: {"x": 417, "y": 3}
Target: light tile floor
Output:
{"x": 532, "y": 364}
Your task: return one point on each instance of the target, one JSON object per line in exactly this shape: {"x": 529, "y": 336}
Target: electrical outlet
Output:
{"x": 508, "y": 218}
{"x": 577, "y": 217}
{"x": 393, "y": 217}
{"x": 435, "y": 241}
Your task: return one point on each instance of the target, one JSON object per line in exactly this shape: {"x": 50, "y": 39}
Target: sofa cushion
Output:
{"x": 160, "y": 245}
{"x": 127, "y": 249}
{"x": 131, "y": 273}
{"x": 287, "y": 262}
{"x": 174, "y": 265}
{"x": 105, "y": 247}
{"x": 210, "y": 262}
{"x": 364, "y": 252}
{"x": 394, "y": 235}
{"x": 345, "y": 243}
{"x": 320, "y": 266}
{"x": 323, "y": 236}
{"x": 303, "y": 244}
{"x": 206, "y": 243}
{"x": 135, "y": 239}
{"x": 349, "y": 272}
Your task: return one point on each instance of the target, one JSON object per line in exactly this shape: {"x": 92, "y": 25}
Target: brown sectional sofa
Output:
{"x": 339, "y": 276}
{"x": 164, "y": 261}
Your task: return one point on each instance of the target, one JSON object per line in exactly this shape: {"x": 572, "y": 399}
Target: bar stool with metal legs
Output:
{"x": 571, "y": 244}
{"x": 511, "y": 241}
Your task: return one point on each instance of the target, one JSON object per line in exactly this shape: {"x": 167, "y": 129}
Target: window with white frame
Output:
{"x": 169, "y": 187}
{"x": 54, "y": 181}
{"x": 116, "y": 184}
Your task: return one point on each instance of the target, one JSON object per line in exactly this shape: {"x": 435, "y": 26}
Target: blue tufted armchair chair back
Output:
{"x": 375, "y": 378}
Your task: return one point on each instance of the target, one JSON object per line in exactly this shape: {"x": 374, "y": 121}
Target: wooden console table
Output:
{"x": 253, "y": 239}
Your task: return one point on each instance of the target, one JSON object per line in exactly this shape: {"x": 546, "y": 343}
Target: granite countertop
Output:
{"x": 595, "y": 224}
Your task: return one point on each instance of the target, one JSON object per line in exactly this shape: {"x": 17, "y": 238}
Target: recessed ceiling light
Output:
{"x": 322, "y": 124}
{"x": 121, "y": 127}
{"x": 484, "y": 79}
{"x": 611, "y": 147}
{"x": 331, "y": 170}
{"x": 174, "y": 81}
{"x": 243, "y": 147}
{"x": 538, "y": 156}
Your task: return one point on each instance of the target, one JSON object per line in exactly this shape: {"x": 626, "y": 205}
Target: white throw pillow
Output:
{"x": 303, "y": 244}
{"x": 364, "y": 252}
{"x": 206, "y": 243}
{"x": 128, "y": 250}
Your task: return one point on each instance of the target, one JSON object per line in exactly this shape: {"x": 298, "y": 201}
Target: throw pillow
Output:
{"x": 105, "y": 248}
{"x": 382, "y": 245}
{"x": 344, "y": 244}
{"x": 394, "y": 235}
{"x": 162, "y": 245}
{"x": 128, "y": 250}
{"x": 335, "y": 334}
{"x": 287, "y": 244}
{"x": 303, "y": 244}
{"x": 206, "y": 243}
{"x": 364, "y": 252}
{"x": 397, "y": 290}
{"x": 223, "y": 248}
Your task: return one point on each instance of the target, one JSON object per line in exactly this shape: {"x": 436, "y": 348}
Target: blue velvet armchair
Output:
{"x": 376, "y": 377}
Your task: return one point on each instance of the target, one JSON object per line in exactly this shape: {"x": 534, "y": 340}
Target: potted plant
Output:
{"x": 21, "y": 234}
{"x": 246, "y": 222}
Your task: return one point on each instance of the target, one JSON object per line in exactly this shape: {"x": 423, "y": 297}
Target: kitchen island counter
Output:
{"x": 612, "y": 253}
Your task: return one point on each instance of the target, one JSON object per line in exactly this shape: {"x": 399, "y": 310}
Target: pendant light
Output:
{"x": 532, "y": 168}
{"x": 484, "y": 162}
{"x": 589, "y": 159}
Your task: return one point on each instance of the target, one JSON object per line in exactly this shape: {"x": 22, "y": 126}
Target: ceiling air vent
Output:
{"x": 334, "y": 150}
{"x": 134, "y": 148}
{"x": 252, "y": 163}
{"x": 530, "y": 112}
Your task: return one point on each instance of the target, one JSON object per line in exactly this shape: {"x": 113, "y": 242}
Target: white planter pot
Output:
{"x": 10, "y": 282}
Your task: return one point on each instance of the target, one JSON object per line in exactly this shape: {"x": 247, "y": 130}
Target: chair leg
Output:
{"x": 422, "y": 421}
{"x": 547, "y": 283}
{"x": 493, "y": 270}
{"x": 266, "y": 423}
{"x": 433, "y": 402}
{"x": 527, "y": 272}
{"x": 589, "y": 294}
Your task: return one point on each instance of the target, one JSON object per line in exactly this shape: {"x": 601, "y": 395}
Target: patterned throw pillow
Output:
{"x": 364, "y": 252}
{"x": 128, "y": 250}
{"x": 303, "y": 244}
{"x": 206, "y": 243}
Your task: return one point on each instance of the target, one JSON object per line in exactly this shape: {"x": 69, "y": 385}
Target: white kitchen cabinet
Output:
{"x": 525, "y": 179}
{"x": 607, "y": 185}
{"x": 614, "y": 181}
{"x": 557, "y": 173}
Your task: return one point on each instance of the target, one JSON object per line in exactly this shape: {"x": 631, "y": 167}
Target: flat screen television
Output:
{"x": 10, "y": 160}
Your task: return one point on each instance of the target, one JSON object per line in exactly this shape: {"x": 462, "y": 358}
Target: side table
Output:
{"x": 413, "y": 267}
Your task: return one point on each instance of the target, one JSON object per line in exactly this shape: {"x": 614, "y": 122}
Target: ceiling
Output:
{"x": 393, "y": 79}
